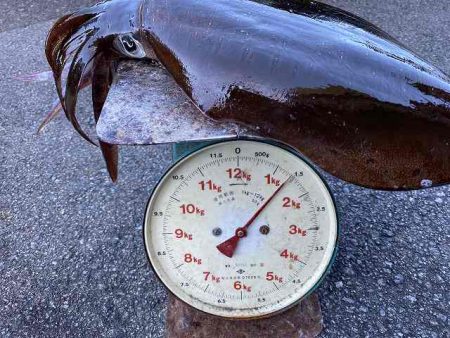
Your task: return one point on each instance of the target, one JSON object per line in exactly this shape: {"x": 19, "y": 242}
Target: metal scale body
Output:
{"x": 165, "y": 116}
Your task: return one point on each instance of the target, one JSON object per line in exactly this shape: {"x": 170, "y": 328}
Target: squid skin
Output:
{"x": 346, "y": 94}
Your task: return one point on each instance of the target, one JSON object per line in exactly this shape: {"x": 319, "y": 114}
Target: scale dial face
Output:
{"x": 241, "y": 229}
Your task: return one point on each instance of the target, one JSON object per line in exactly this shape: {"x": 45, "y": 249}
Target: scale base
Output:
{"x": 303, "y": 320}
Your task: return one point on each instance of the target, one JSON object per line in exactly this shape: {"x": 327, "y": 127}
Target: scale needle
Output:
{"x": 229, "y": 246}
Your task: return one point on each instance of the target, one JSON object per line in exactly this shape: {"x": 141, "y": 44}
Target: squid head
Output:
{"x": 85, "y": 47}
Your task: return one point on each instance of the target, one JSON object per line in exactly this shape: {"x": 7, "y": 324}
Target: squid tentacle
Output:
{"x": 51, "y": 115}
{"x": 57, "y": 44}
{"x": 57, "y": 108}
{"x": 102, "y": 78}
{"x": 79, "y": 64}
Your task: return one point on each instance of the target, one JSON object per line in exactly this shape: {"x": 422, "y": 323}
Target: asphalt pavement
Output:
{"x": 72, "y": 260}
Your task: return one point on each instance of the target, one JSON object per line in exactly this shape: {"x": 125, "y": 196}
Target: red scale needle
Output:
{"x": 229, "y": 246}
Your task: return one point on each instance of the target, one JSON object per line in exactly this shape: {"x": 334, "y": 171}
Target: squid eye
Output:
{"x": 129, "y": 46}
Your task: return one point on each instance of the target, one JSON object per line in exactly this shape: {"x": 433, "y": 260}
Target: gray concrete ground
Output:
{"x": 16, "y": 14}
{"x": 72, "y": 261}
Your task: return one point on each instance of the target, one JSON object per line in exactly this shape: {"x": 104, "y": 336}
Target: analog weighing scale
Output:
{"x": 239, "y": 227}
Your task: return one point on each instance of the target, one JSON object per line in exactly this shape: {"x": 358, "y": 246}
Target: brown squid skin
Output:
{"x": 345, "y": 93}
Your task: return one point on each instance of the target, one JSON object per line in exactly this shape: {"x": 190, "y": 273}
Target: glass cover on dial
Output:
{"x": 241, "y": 228}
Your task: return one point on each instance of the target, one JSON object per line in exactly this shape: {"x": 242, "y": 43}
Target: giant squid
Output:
{"x": 349, "y": 96}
